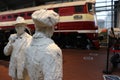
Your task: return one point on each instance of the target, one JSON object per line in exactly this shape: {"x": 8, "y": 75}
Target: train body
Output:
{"x": 77, "y": 26}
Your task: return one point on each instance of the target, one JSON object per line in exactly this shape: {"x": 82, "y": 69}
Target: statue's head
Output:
{"x": 45, "y": 20}
{"x": 20, "y": 25}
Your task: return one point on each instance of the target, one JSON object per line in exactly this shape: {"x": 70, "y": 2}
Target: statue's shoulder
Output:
{"x": 28, "y": 35}
{"x": 54, "y": 47}
{"x": 13, "y": 35}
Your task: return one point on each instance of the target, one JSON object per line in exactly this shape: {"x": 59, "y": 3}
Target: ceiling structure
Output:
{"x": 17, "y": 4}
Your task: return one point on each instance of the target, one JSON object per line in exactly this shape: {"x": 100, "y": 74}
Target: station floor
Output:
{"x": 77, "y": 65}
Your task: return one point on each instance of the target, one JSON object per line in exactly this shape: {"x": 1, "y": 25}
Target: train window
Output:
{"x": 29, "y": 14}
{"x": 79, "y": 8}
{"x": 3, "y": 17}
{"x": 16, "y": 15}
{"x": 56, "y": 10}
{"x": 22, "y": 14}
{"x": 9, "y": 16}
{"x": 90, "y": 8}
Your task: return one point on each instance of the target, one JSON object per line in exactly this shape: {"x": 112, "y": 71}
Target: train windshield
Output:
{"x": 91, "y": 8}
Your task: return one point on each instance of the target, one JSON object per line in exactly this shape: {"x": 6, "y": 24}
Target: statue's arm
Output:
{"x": 9, "y": 47}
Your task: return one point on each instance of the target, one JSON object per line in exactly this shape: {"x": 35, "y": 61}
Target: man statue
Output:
{"x": 16, "y": 48}
{"x": 43, "y": 56}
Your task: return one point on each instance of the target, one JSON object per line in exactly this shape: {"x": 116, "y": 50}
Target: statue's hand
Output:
{"x": 12, "y": 39}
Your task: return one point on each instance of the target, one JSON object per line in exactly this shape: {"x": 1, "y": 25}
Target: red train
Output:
{"x": 76, "y": 28}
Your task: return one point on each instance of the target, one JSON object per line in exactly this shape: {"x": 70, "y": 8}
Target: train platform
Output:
{"x": 77, "y": 65}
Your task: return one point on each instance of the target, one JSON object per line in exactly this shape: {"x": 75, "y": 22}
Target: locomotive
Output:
{"x": 77, "y": 27}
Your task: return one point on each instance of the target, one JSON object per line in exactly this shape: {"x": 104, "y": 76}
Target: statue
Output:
{"x": 16, "y": 48}
{"x": 43, "y": 56}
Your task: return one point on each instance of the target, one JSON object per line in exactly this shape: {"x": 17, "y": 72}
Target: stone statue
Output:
{"x": 16, "y": 48}
{"x": 43, "y": 56}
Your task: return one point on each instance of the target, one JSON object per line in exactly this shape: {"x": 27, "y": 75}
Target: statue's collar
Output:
{"x": 39, "y": 35}
{"x": 21, "y": 36}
